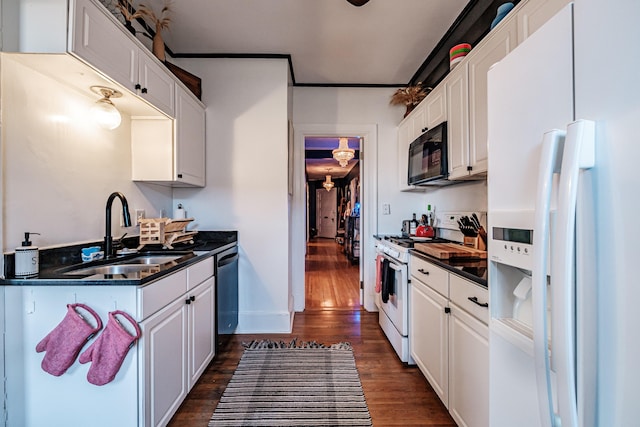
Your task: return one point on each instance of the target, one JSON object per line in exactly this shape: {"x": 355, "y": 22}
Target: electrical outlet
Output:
{"x": 139, "y": 215}
{"x": 386, "y": 209}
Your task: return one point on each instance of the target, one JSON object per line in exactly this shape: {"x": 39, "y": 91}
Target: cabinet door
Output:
{"x": 98, "y": 41}
{"x": 495, "y": 47}
{"x": 403, "y": 155}
{"x": 164, "y": 363}
{"x": 436, "y": 107}
{"x": 468, "y": 370}
{"x": 201, "y": 329}
{"x": 156, "y": 84}
{"x": 429, "y": 336}
{"x": 418, "y": 120}
{"x": 190, "y": 139}
{"x": 534, "y": 14}
{"x": 458, "y": 122}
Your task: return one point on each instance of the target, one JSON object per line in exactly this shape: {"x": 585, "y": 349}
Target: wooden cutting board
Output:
{"x": 449, "y": 250}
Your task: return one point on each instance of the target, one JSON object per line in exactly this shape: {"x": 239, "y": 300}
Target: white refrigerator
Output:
{"x": 563, "y": 196}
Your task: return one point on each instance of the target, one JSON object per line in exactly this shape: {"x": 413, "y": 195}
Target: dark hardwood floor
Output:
{"x": 397, "y": 394}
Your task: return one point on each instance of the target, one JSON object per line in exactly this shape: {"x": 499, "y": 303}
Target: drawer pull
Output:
{"x": 423, "y": 271}
{"x": 475, "y": 301}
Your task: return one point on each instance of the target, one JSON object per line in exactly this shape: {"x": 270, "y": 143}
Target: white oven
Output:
{"x": 394, "y": 310}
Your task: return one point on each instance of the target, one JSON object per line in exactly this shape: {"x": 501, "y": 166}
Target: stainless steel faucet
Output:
{"x": 108, "y": 239}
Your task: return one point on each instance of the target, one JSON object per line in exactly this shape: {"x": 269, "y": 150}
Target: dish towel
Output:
{"x": 108, "y": 351}
{"x": 388, "y": 279}
{"x": 65, "y": 341}
{"x": 379, "y": 259}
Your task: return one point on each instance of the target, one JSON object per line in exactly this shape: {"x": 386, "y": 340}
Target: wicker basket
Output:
{"x": 165, "y": 231}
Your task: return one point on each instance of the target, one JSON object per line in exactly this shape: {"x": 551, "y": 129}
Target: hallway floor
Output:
{"x": 397, "y": 394}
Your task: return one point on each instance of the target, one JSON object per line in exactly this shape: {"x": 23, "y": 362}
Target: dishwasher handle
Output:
{"x": 228, "y": 259}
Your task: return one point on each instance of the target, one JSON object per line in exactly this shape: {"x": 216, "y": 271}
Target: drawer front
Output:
{"x": 199, "y": 272}
{"x": 159, "y": 294}
{"x": 461, "y": 292}
{"x": 431, "y": 275}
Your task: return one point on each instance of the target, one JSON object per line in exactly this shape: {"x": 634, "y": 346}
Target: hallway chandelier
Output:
{"x": 343, "y": 153}
{"x": 328, "y": 184}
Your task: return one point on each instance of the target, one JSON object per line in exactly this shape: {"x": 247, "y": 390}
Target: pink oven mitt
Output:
{"x": 65, "y": 341}
{"x": 108, "y": 351}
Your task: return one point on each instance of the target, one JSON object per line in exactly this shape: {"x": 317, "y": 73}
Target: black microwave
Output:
{"x": 428, "y": 163}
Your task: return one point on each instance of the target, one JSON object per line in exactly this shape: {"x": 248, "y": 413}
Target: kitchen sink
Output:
{"x": 116, "y": 269}
{"x": 154, "y": 259}
{"x": 136, "y": 267}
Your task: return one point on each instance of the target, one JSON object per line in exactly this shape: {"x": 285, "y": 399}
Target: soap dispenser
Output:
{"x": 27, "y": 258}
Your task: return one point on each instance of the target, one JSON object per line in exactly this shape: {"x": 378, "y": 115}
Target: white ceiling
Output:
{"x": 383, "y": 42}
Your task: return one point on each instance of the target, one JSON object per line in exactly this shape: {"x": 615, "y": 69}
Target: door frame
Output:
{"x": 369, "y": 205}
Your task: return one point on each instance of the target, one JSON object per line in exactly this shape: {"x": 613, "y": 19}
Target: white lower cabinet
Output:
{"x": 178, "y": 343}
{"x": 428, "y": 329}
{"x": 449, "y": 339}
{"x": 201, "y": 329}
{"x": 176, "y": 317}
{"x": 468, "y": 369}
{"x": 164, "y": 363}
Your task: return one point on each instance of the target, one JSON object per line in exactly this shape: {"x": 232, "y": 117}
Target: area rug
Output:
{"x": 293, "y": 384}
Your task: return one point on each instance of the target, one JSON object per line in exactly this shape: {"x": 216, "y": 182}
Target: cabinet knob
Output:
{"x": 137, "y": 86}
{"x": 192, "y": 298}
{"x": 447, "y": 310}
{"x": 144, "y": 90}
{"x": 187, "y": 301}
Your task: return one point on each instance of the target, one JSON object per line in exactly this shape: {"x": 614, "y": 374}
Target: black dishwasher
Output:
{"x": 227, "y": 291}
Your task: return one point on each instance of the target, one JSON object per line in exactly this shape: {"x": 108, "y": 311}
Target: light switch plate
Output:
{"x": 386, "y": 209}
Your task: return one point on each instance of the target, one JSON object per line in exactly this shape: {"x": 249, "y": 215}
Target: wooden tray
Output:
{"x": 449, "y": 250}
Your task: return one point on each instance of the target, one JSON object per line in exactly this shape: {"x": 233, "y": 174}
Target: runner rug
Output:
{"x": 280, "y": 384}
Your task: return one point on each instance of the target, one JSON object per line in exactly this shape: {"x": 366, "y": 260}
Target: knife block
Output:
{"x": 474, "y": 242}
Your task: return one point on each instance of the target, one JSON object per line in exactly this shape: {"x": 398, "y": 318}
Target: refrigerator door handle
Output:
{"x": 579, "y": 153}
{"x": 550, "y": 159}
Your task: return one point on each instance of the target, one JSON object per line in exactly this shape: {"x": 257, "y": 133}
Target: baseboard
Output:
{"x": 262, "y": 322}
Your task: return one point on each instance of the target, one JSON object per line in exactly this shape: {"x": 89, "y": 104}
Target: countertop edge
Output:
{"x": 482, "y": 282}
{"x": 119, "y": 282}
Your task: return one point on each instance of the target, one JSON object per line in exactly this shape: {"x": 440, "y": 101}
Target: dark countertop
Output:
{"x": 472, "y": 269}
{"x": 52, "y": 261}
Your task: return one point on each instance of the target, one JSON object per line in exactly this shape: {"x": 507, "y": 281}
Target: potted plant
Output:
{"x": 161, "y": 22}
{"x": 410, "y": 96}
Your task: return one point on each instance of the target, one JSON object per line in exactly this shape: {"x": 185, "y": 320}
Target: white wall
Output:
{"x": 59, "y": 168}
{"x": 246, "y": 185}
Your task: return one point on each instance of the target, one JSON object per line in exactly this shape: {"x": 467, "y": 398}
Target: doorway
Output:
{"x": 332, "y": 263}
{"x": 302, "y": 199}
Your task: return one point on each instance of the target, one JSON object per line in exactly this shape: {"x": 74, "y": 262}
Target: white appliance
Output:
{"x": 393, "y": 314}
{"x": 563, "y": 111}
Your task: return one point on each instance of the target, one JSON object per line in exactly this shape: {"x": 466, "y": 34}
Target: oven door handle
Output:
{"x": 395, "y": 264}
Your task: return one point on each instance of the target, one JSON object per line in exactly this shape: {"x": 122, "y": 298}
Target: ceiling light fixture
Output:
{"x": 328, "y": 185}
{"x": 343, "y": 153}
{"x": 103, "y": 111}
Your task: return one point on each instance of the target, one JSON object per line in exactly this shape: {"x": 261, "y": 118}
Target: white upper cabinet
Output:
{"x": 533, "y": 14}
{"x": 435, "y": 107}
{"x": 495, "y": 47}
{"x": 94, "y": 40}
{"x": 458, "y": 121}
{"x": 167, "y": 141}
{"x": 100, "y": 40}
{"x": 190, "y": 139}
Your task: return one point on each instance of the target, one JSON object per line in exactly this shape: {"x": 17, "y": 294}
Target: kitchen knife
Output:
{"x": 476, "y": 220}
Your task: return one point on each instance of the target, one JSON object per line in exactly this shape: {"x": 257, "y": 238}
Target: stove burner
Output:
{"x": 408, "y": 242}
